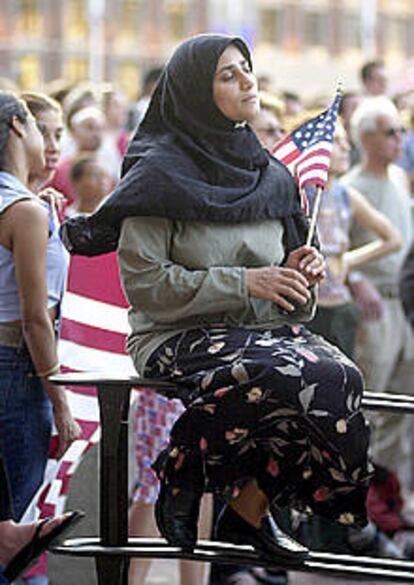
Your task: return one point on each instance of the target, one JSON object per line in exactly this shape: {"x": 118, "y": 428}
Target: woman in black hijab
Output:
{"x": 213, "y": 263}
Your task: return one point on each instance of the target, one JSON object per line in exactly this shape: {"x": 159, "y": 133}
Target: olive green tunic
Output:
{"x": 184, "y": 275}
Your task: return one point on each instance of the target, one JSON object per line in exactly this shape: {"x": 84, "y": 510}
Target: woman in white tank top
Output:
{"x": 32, "y": 274}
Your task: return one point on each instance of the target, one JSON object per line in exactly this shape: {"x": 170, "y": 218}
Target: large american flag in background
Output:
{"x": 94, "y": 328}
{"x": 306, "y": 151}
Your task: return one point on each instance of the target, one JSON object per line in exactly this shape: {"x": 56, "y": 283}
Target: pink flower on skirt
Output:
{"x": 203, "y": 444}
{"x": 272, "y": 468}
{"x": 321, "y": 494}
{"x": 308, "y": 354}
{"x": 221, "y": 392}
{"x": 179, "y": 462}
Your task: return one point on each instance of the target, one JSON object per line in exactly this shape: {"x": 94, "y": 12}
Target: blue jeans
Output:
{"x": 25, "y": 425}
{"x": 6, "y": 511}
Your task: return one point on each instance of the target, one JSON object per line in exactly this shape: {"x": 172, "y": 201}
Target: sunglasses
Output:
{"x": 392, "y": 132}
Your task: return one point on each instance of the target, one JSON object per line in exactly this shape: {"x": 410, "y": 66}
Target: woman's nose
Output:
{"x": 52, "y": 144}
{"x": 246, "y": 80}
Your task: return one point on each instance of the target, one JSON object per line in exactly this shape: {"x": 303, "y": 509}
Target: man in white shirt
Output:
{"x": 385, "y": 350}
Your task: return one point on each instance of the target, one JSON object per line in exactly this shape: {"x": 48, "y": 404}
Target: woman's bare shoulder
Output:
{"x": 26, "y": 209}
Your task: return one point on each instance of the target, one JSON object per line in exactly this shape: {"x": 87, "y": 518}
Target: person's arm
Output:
{"x": 168, "y": 292}
{"x": 29, "y": 238}
{"x": 366, "y": 296}
{"x": 365, "y": 293}
{"x": 388, "y": 239}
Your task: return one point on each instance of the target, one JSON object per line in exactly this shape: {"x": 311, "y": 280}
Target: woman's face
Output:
{"x": 50, "y": 125}
{"x": 95, "y": 183}
{"x": 268, "y": 128}
{"x": 88, "y": 133}
{"x": 340, "y": 159}
{"x": 34, "y": 145}
{"x": 235, "y": 87}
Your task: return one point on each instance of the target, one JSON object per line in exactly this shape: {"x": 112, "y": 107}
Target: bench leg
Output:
{"x": 113, "y": 481}
{"x": 111, "y": 570}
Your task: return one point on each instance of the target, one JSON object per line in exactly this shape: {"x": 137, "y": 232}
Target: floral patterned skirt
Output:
{"x": 281, "y": 406}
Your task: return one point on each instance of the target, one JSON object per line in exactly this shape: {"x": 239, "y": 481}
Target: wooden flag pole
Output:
{"x": 315, "y": 212}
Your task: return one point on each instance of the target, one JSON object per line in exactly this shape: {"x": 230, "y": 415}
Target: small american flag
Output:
{"x": 307, "y": 150}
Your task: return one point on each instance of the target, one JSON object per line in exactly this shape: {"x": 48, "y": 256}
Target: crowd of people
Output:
{"x": 213, "y": 262}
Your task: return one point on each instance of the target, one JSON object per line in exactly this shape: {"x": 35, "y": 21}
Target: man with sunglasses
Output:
{"x": 386, "y": 347}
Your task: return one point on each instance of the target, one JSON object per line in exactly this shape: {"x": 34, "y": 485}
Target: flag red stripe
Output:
{"x": 318, "y": 152}
{"x": 96, "y": 279}
{"x": 312, "y": 167}
{"x": 93, "y": 336}
{"x": 291, "y": 157}
{"x": 85, "y": 390}
{"x": 88, "y": 427}
{"x": 63, "y": 469}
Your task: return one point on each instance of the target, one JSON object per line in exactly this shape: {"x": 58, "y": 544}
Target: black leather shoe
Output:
{"x": 268, "y": 540}
{"x": 176, "y": 515}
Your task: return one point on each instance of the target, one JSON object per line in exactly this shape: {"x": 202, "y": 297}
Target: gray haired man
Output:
{"x": 385, "y": 349}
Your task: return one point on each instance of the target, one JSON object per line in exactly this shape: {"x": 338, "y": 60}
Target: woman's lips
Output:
{"x": 250, "y": 98}
{"x": 51, "y": 163}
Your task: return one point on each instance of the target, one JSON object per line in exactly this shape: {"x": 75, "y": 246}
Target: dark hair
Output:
{"x": 40, "y": 102}
{"x": 78, "y": 168}
{"x": 10, "y": 106}
{"x": 58, "y": 89}
{"x": 368, "y": 68}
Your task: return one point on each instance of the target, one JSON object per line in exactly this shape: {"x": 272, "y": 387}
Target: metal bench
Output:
{"x": 112, "y": 549}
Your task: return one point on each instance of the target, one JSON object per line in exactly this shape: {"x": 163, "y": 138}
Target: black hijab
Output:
{"x": 188, "y": 162}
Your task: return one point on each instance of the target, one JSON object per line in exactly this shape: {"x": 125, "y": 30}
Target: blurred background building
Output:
{"x": 297, "y": 43}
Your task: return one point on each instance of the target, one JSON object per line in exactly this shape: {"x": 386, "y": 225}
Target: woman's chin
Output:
{"x": 40, "y": 179}
{"x": 47, "y": 175}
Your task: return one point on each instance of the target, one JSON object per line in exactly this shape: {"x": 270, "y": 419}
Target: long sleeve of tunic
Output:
{"x": 183, "y": 275}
